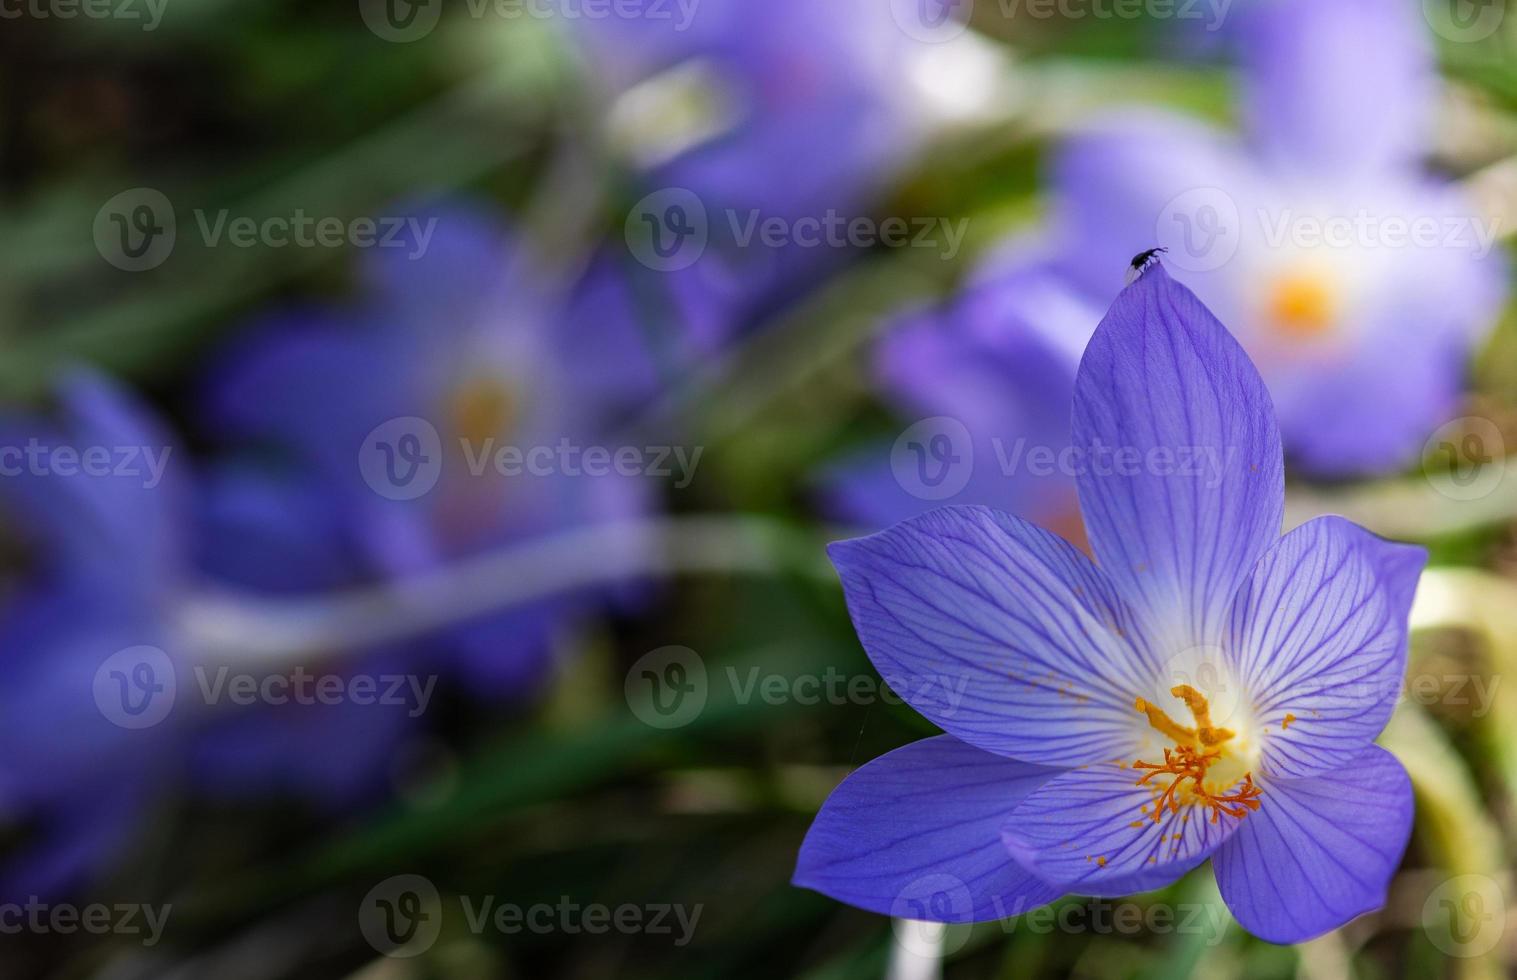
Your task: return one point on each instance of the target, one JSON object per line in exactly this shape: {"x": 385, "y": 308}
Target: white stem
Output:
{"x": 270, "y": 632}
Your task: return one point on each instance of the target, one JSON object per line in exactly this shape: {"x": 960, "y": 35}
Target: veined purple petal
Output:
{"x": 1318, "y": 638}
{"x": 916, "y": 834}
{"x": 1184, "y": 487}
{"x": 1319, "y": 851}
{"x": 1001, "y": 633}
{"x": 1091, "y": 830}
{"x": 1343, "y": 87}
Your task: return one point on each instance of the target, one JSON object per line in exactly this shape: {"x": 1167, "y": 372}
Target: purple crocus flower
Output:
{"x": 94, "y": 496}
{"x": 818, "y": 93}
{"x": 397, "y": 412}
{"x": 1344, "y": 268}
{"x": 1205, "y": 688}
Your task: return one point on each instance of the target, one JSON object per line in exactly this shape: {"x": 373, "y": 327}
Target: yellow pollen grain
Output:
{"x": 1287, "y": 722}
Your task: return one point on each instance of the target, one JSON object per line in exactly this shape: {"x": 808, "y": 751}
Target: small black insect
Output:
{"x": 1142, "y": 261}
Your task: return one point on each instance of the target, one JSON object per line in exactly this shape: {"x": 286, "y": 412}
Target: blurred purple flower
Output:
{"x": 986, "y": 380}
{"x": 98, "y": 503}
{"x": 1318, "y": 238}
{"x": 794, "y": 107}
{"x": 1210, "y": 689}
{"x": 393, "y": 415}
{"x": 775, "y": 125}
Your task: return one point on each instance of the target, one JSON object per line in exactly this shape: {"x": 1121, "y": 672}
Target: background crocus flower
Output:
{"x": 455, "y": 350}
{"x": 102, "y": 552}
{"x": 1208, "y": 689}
{"x": 1317, "y": 237}
{"x": 988, "y": 375}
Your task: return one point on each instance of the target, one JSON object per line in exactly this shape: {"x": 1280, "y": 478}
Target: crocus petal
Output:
{"x": 1001, "y": 633}
{"x": 1318, "y": 639}
{"x": 119, "y": 527}
{"x": 1183, "y": 486}
{"x": 1092, "y": 831}
{"x": 1341, "y": 88}
{"x": 916, "y": 834}
{"x": 1319, "y": 851}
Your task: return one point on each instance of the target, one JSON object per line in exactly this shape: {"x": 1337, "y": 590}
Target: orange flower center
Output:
{"x": 1303, "y": 304}
{"x": 1191, "y": 767}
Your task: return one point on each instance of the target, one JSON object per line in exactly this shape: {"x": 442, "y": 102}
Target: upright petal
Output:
{"x": 1319, "y": 851}
{"x": 916, "y": 833}
{"x": 1318, "y": 639}
{"x": 1344, "y": 87}
{"x": 1091, "y": 831}
{"x": 1183, "y": 486}
{"x": 1001, "y": 633}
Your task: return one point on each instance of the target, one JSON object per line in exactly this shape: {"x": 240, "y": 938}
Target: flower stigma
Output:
{"x": 1202, "y": 766}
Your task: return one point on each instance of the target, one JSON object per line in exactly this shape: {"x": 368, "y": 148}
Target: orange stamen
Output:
{"x": 1193, "y": 755}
